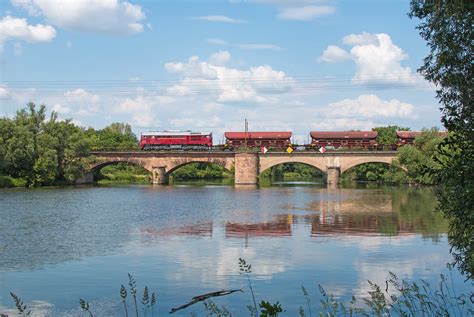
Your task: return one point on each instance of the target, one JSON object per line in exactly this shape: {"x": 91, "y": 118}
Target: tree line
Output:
{"x": 37, "y": 149}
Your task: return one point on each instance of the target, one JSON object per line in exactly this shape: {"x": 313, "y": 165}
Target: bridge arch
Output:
{"x": 267, "y": 164}
{"x": 100, "y": 165}
{"x": 364, "y": 160}
{"x": 221, "y": 163}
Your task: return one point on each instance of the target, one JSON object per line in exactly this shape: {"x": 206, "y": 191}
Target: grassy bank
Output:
{"x": 123, "y": 173}
{"x": 8, "y": 181}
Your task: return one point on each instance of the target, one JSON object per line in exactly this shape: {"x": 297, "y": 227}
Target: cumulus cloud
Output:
{"x": 228, "y": 84}
{"x": 334, "y": 54}
{"x": 219, "y": 18}
{"x": 12, "y": 28}
{"x": 81, "y": 95}
{"x": 61, "y": 109}
{"x": 370, "y": 106}
{"x": 220, "y": 58}
{"x": 377, "y": 59}
{"x": 104, "y": 16}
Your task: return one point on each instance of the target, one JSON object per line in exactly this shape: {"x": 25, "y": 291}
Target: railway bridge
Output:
{"x": 247, "y": 166}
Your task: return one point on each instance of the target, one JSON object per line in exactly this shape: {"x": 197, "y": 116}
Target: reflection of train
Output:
{"x": 195, "y": 141}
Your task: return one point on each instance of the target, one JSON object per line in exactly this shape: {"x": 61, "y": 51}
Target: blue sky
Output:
{"x": 296, "y": 65}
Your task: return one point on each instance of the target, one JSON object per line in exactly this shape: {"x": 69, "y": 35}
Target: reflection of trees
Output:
{"x": 418, "y": 207}
{"x": 279, "y": 226}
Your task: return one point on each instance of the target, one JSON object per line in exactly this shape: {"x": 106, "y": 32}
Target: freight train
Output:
{"x": 202, "y": 141}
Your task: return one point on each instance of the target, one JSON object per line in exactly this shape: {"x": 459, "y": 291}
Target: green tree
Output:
{"x": 43, "y": 152}
{"x": 117, "y": 136}
{"x": 388, "y": 135}
{"x": 447, "y": 27}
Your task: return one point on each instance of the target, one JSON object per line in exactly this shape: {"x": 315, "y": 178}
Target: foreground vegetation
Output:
{"x": 446, "y": 26}
{"x": 395, "y": 298}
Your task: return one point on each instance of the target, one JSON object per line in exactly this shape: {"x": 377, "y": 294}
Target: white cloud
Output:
{"x": 61, "y": 109}
{"x": 105, "y": 16}
{"x": 219, "y": 18}
{"x": 305, "y": 13}
{"x": 220, "y": 58}
{"x": 370, "y": 106}
{"x": 363, "y": 38}
{"x": 12, "y": 28}
{"x": 299, "y": 10}
{"x": 229, "y": 84}
{"x": 81, "y": 95}
{"x": 252, "y": 47}
{"x": 193, "y": 68}
{"x": 69, "y": 44}
{"x": 3, "y": 91}
{"x": 377, "y": 58}
{"x": 215, "y": 41}
{"x": 334, "y": 54}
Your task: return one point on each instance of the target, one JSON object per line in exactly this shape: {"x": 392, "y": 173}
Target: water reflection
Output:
{"x": 185, "y": 240}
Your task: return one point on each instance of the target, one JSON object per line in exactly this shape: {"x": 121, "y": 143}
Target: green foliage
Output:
{"x": 42, "y": 151}
{"x": 416, "y": 160}
{"x": 446, "y": 26}
{"x": 8, "y": 181}
{"x": 115, "y": 137}
{"x": 201, "y": 171}
{"x": 122, "y": 173}
{"x": 213, "y": 309}
{"x": 269, "y": 310}
{"x": 292, "y": 171}
{"x": 386, "y": 136}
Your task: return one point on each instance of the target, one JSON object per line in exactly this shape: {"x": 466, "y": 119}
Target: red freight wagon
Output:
{"x": 345, "y": 139}
{"x": 406, "y": 137}
{"x": 175, "y": 140}
{"x": 258, "y": 139}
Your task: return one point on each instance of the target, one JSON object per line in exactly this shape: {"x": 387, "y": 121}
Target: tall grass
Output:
{"x": 397, "y": 298}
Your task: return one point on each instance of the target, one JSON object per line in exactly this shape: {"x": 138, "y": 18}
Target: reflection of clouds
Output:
{"x": 38, "y": 308}
{"x": 404, "y": 266}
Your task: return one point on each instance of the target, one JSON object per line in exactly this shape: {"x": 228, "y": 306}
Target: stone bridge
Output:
{"x": 247, "y": 166}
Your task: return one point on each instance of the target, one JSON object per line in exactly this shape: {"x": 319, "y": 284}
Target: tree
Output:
{"x": 447, "y": 25}
{"x": 117, "y": 136}
{"x": 388, "y": 135}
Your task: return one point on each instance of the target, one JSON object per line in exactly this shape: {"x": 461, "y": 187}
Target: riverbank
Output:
{"x": 8, "y": 181}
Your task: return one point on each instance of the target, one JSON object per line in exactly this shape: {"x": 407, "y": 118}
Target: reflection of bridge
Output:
{"x": 248, "y": 166}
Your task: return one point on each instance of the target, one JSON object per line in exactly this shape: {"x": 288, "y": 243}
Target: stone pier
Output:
{"x": 246, "y": 168}
{"x": 159, "y": 176}
{"x": 333, "y": 173}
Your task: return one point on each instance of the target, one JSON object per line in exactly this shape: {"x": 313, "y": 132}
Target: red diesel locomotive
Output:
{"x": 176, "y": 140}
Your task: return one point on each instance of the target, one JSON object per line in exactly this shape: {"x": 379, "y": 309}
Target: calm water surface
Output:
{"x": 61, "y": 244}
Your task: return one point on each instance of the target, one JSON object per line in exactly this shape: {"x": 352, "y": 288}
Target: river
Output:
{"x": 61, "y": 244}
